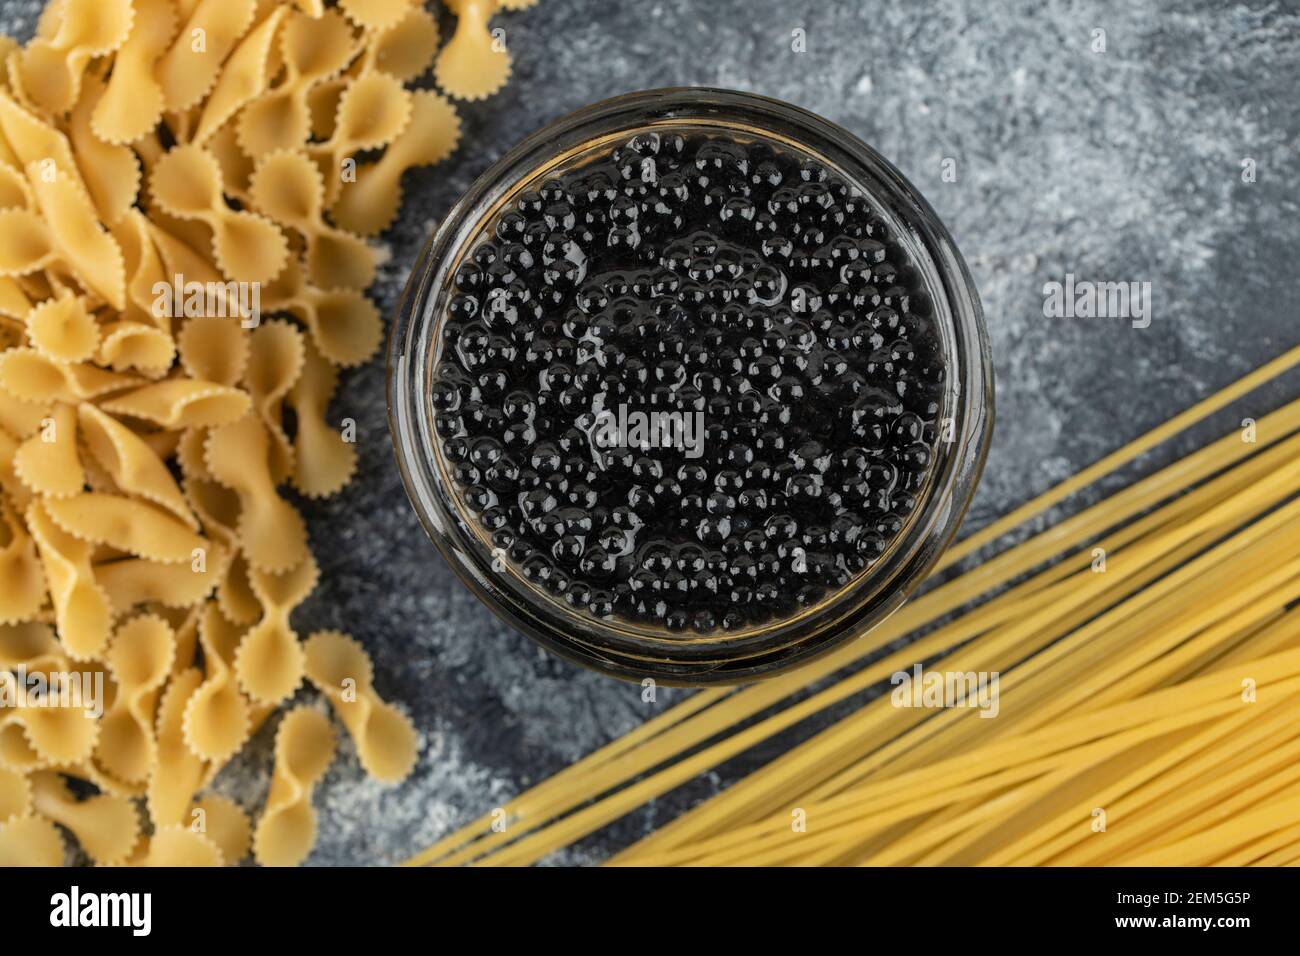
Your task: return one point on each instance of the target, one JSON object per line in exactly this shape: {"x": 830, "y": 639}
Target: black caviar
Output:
{"x": 740, "y": 287}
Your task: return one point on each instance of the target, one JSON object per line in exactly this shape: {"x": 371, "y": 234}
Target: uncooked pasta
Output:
{"x": 185, "y": 191}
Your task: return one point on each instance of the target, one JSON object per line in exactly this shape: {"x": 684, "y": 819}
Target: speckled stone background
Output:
{"x": 1117, "y": 165}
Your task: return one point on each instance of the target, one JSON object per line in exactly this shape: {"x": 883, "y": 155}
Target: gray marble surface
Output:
{"x": 1122, "y": 165}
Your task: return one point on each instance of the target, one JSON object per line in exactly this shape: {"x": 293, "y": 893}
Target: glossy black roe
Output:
{"x": 744, "y": 293}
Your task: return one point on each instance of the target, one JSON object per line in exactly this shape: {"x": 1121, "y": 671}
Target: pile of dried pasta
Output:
{"x": 1148, "y": 649}
{"x": 149, "y": 149}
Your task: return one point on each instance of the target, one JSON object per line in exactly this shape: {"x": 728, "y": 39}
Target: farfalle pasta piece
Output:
{"x": 189, "y": 69}
{"x": 186, "y": 182}
{"x": 344, "y": 324}
{"x": 323, "y": 460}
{"x": 133, "y": 102}
{"x": 15, "y": 795}
{"x": 63, "y": 329}
{"x": 82, "y": 612}
{"x": 110, "y": 171}
{"x": 270, "y": 531}
{"x": 48, "y": 462}
{"x": 276, "y": 357}
{"x": 178, "y": 403}
{"x": 472, "y": 65}
{"x": 22, "y": 581}
{"x": 135, "y": 527}
{"x": 407, "y": 48}
{"x": 369, "y": 205}
{"x": 30, "y": 841}
{"x": 140, "y": 659}
{"x": 30, "y": 376}
{"x": 269, "y": 662}
{"x": 287, "y": 186}
{"x": 304, "y": 749}
{"x": 134, "y": 466}
{"x": 135, "y": 345}
{"x": 178, "y": 772}
{"x": 224, "y": 823}
{"x": 50, "y": 68}
{"x": 176, "y": 845}
{"x": 375, "y": 14}
{"x": 130, "y": 582}
{"x": 88, "y": 249}
{"x": 31, "y": 139}
{"x": 214, "y": 349}
{"x": 144, "y": 271}
{"x": 34, "y": 736}
{"x": 106, "y": 826}
{"x": 314, "y": 49}
{"x": 243, "y": 77}
{"x": 217, "y": 717}
{"x": 227, "y": 641}
{"x": 385, "y": 737}
{"x": 372, "y": 112}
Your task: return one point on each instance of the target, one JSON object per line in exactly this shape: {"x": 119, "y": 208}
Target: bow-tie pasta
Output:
{"x": 187, "y": 194}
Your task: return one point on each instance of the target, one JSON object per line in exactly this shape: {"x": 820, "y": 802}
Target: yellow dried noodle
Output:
{"x": 384, "y": 737}
{"x": 474, "y": 64}
{"x": 304, "y": 749}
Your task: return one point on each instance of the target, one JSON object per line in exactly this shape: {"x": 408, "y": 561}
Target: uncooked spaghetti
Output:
{"x": 1148, "y": 656}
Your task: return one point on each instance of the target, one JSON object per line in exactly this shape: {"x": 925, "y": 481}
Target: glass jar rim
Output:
{"x": 615, "y": 648}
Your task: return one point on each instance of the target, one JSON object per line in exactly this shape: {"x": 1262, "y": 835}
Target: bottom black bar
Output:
{"x": 339, "y": 905}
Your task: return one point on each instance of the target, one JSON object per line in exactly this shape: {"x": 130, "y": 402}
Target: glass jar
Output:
{"x": 630, "y": 649}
